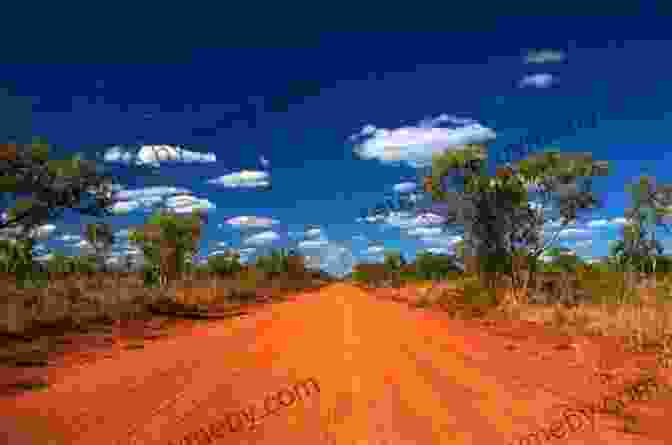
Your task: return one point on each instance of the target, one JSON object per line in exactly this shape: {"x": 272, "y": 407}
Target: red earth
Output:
{"x": 387, "y": 374}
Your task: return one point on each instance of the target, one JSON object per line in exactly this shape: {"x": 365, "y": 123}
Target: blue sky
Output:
{"x": 387, "y": 80}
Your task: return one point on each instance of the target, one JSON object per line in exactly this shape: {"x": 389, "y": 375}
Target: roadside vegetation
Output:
{"x": 68, "y": 292}
{"x": 510, "y": 264}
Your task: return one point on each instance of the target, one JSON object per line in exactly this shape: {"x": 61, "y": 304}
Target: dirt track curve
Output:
{"x": 387, "y": 374}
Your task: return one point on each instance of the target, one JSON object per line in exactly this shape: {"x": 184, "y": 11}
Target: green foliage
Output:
{"x": 434, "y": 267}
{"x": 496, "y": 209}
{"x": 276, "y": 262}
{"x": 163, "y": 230}
{"x": 224, "y": 264}
{"x": 360, "y": 276}
{"x": 393, "y": 260}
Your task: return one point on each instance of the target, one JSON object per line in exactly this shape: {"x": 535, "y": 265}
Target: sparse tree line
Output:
{"x": 36, "y": 189}
{"x": 506, "y": 217}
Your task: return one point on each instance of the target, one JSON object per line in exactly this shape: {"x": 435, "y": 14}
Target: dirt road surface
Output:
{"x": 387, "y": 374}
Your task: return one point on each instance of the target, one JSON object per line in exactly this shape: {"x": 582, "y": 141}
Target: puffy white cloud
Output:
{"x": 405, "y": 220}
{"x": 222, "y": 244}
{"x": 405, "y": 187}
{"x": 251, "y": 222}
{"x": 149, "y": 201}
{"x": 263, "y": 238}
{"x": 415, "y": 145}
{"x": 82, "y": 244}
{"x": 313, "y": 244}
{"x": 374, "y": 250}
{"x": 433, "y": 122}
{"x": 68, "y": 237}
{"x": 183, "y": 200}
{"x": 598, "y": 223}
{"x": 544, "y": 56}
{"x": 154, "y": 155}
{"x": 118, "y": 154}
{"x": 245, "y": 178}
{"x": 573, "y": 233}
{"x": 541, "y": 80}
{"x": 197, "y": 204}
{"x": 123, "y": 207}
{"x": 160, "y": 191}
{"x": 447, "y": 241}
{"x": 620, "y": 221}
{"x": 439, "y": 251}
{"x": 426, "y": 231}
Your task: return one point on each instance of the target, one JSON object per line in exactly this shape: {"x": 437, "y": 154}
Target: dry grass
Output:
{"x": 68, "y": 302}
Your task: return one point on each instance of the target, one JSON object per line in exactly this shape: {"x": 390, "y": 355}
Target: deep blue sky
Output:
{"x": 90, "y": 90}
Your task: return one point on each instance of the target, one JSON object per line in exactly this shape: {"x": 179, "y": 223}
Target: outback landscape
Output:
{"x": 337, "y": 240}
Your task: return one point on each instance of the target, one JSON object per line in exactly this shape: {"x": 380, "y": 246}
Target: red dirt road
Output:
{"x": 387, "y": 374}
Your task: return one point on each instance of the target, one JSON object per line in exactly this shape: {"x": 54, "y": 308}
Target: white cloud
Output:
{"x": 68, "y": 237}
{"x": 181, "y": 200}
{"x": 598, "y": 223}
{"x": 149, "y": 201}
{"x": 313, "y": 244}
{"x": 406, "y": 220}
{"x": 374, "y": 250}
{"x": 123, "y": 207}
{"x": 160, "y": 191}
{"x": 415, "y": 145}
{"x": 544, "y": 56}
{"x": 262, "y": 238}
{"x": 117, "y": 154}
{"x": 425, "y": 231}
{"x": 573, "y": 233}
{"x": 245, "y": 178}
{"x": 82, "y": 244}
{"x": 251, "y": 222}
{"x": 154, "y": 155}
{"x": 620, "y": 221}
{"x": 222, "y": 244}
{"x": 433, "y": 122}
{"x": 405, "y": 187}
{"x": 439, "y": 250}
{"x": 447, "y": 241}
{"x": 584, "y": 244}
{"x": 198, "y": 204}
{"x": 541, "y": 80}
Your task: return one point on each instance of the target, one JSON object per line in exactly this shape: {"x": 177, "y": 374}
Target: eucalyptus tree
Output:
{"x": 37, "y": 189}
{"x": 503, "y": 228}
{"x": 167, "y": 240}
{"x": 651, "y": 209}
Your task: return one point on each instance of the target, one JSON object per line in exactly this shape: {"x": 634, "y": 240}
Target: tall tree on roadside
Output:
{"x": 502, "y": 226}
